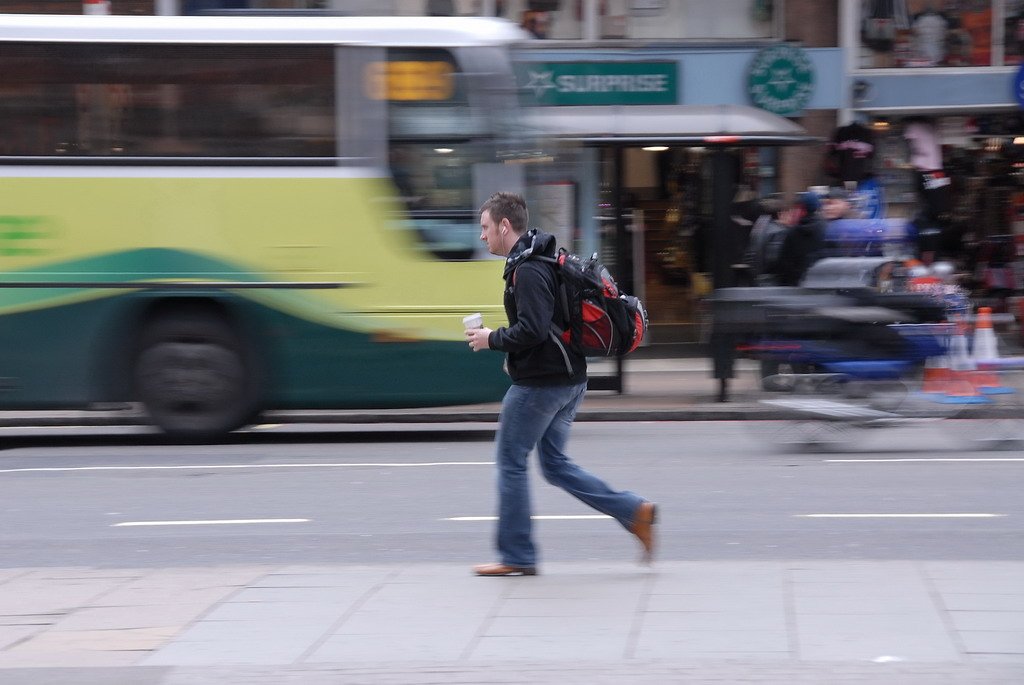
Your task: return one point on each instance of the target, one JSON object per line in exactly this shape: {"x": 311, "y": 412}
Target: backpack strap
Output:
{"x": 555, "y": 333}
{"x": 563, "y": 296}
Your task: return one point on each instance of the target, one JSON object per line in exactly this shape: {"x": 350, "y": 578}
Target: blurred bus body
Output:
{"x": 214, "y": 216}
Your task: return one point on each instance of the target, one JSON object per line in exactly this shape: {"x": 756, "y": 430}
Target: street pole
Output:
{"x": 95, "y": 6}
{"x": 167, "y": 7}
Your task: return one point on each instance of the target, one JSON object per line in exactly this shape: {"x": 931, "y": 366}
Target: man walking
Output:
{"x": 539, "y": 407}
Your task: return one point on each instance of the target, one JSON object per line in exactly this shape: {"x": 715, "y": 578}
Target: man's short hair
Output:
{"x": 808, "y": 201}
{"x": 508, "y": 206}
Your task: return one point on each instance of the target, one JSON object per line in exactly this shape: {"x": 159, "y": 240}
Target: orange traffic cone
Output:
{"x": 985, "y": 347}
{"x": 985, "y": 353}
{"x": 937, "y": 375}
{"x": 960, "y": 388}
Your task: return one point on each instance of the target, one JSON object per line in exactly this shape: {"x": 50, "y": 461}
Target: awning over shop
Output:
{"x": 687, "y": 124}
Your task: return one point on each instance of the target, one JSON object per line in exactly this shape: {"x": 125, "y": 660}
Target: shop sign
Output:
{"x": 781, "y": 79}
{"x": 600, "y": 83}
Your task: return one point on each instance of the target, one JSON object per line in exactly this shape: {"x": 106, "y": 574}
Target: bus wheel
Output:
{"x": 194, "y": 377}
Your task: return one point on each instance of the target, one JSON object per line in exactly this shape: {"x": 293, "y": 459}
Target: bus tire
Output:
{"x": 194, "y": 375}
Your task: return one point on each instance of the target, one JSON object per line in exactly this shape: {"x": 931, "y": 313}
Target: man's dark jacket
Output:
{"x": 803, "y": 246}
{"x": 536, "y": 356}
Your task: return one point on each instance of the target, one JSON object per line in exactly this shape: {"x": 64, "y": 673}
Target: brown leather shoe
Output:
{"x": 503, "y": 570}
{"x": 643, "y": 528}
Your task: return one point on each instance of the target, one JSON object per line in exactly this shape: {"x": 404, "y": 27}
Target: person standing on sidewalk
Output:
{"x": 539, "y": 407}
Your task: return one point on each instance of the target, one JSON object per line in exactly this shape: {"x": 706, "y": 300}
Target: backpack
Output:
{"x": 600, "y": 320}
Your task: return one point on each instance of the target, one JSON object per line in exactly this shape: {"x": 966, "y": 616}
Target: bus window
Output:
{"x": 147, "y": 100}
{"x": 437, "y": 139}
{"x": 435, "y": 181}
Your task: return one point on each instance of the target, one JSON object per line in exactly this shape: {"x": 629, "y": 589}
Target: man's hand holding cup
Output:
{"x": 476, "y": 334}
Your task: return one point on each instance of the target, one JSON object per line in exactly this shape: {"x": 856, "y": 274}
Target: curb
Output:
{"x": 42, "y": 419}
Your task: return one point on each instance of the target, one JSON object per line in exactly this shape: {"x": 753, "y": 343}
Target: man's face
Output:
{"x": 834, "y": 208}
{"x": 494, "y": 234}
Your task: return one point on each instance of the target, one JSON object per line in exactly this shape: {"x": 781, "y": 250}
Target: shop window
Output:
{"x": 1013, "y": 33}
{"x": 930, "y": 33}
{"x": 688, "y": 19}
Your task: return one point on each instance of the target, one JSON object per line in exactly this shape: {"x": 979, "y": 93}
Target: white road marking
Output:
{"x": 581, "y": 517}
{"x": 914, "y": 459}
{"x": 246, "y": 466}
{"x": 898, "y": 516}
{"x": 210, "y": 522}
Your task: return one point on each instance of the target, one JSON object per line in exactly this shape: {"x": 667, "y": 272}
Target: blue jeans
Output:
{"x": 541, "y": 417}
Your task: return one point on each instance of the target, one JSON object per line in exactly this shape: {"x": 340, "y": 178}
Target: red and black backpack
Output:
{"x": 599, "y": 320}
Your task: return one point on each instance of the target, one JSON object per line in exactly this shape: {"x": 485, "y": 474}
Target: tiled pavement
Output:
{"x": 703, "y": 621}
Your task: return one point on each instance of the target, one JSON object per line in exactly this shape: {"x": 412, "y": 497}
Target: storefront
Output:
{"x": 671, "y": 139}
{"x": 654, "y": 189}
{"x": 938, "y": 86}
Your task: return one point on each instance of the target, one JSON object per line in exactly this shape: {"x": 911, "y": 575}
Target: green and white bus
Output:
{"x": 215, "y": 216}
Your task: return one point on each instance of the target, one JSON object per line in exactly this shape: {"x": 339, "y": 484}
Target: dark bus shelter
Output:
{"x": 721, "y": 131}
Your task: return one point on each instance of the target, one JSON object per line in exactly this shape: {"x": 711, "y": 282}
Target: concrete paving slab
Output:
{"x": 589, "y": 649}
{"x": 993, "y": 641}
{"x": 987, "y": 571}
{"x": 882, "y": 573}
{"x": 412, "y": 622}
{"x": 30, "y": 619}
{"x": 125, "y": 640}
{"x": 271, "y": 611}
{"x": 54, "y": 596}
{"x": 978, "y": 585}
{"x": 681, "y": 643}
{"x": 11, "y": 635}
{"x": 988, "y": 620}
{"x": 715, "y": 620}
{"x": 983, "y": 601}
{"x": 83, "y": 676}
{"x": 751, "y": 600}
{"x": 388, "y": 647}
{"x": 216, "y": 577}
{"x": 532, "y": 606}
{"x": 862, "y": 600}
{"x": 559, "y": 628}
{"x": 223, "y": 653}
{"x": 7, "y": 574}
{"x": 130, "y": 617}
{"x": 70, "y": 658}
{"x": 256, "y": 632}
{"x": 909, "y": 637}
{"x": 355, "y": 579}
{"x": 341, "y": 596}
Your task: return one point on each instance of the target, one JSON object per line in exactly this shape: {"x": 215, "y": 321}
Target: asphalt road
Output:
{"x": 315, "y": 494}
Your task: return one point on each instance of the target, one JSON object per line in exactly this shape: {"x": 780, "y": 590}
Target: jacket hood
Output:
{"x": 533, "y": 242}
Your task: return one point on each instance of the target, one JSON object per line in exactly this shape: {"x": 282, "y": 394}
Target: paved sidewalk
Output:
{"x": 903, "y": 622}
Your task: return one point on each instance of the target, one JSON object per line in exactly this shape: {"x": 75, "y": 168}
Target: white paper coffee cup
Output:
{"x": 473, "y": 321}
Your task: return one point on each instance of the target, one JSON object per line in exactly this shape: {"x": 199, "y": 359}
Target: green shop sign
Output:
{"x": 781, "y": 80}
{"x": 599, "y": 83}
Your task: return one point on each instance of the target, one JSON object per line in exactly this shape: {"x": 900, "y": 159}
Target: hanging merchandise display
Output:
{"x": 851, "y": 153}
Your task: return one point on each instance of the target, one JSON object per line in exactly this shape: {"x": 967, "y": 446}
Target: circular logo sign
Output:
{"x": 1018, "y": 86}
{"x": 781, "y": 80}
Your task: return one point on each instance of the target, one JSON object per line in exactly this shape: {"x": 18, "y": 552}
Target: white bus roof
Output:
{"x": 326, "y": 29}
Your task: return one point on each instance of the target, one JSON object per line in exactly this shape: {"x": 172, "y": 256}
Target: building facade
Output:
{"x": 932, "y": 87}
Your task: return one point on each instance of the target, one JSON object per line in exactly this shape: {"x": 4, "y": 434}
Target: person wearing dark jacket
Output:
{"x": 539, "y": 407}
{"x": 804, "y": 243}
